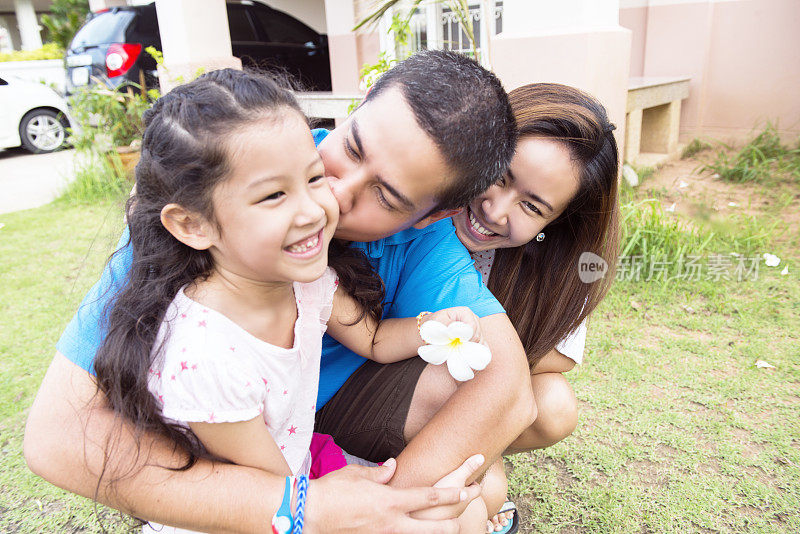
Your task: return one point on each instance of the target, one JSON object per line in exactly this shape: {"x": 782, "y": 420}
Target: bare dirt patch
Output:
{"x": 690, "y": 193}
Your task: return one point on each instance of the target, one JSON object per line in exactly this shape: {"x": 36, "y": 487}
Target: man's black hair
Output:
{"x": 465, "y": 110}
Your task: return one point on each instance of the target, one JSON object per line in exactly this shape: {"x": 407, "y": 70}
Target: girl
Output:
{"x": 527, "y": 234}
{"x": 215, "y": 338}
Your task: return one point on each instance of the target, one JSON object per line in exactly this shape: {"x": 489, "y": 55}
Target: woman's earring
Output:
{"x": 540, "y": 237}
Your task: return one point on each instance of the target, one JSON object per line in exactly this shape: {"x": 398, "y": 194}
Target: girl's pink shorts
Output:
{"x": 326, "y": 456}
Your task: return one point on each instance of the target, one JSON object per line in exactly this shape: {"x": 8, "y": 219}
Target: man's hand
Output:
{"x": 65, "y": 443}
{"x": 482, "y": 415}
{"x": 360, "y": 501}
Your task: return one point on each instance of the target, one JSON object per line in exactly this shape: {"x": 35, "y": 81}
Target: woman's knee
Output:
{"x": 557, "y": 416}
{"x": 557, "y": 406}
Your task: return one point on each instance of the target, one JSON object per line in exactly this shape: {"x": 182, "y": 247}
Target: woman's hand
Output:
{"x": 357, "y": 499}
{"x": 458, "y": 313}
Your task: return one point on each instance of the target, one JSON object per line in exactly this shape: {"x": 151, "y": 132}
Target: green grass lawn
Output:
{"x": 50, "y": 258}
{"x": 679, "y": 431}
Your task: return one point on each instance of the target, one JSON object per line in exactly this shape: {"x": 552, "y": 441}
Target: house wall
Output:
{"x": 349, "y": 51}
{"x": 743, "y": 57}
{"x": 574, "y": 42}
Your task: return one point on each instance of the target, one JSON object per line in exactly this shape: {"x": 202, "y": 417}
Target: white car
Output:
{"x": 32, "y": 115}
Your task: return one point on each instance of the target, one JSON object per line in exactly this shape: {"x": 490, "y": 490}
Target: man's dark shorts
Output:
{"x": 367, "y": 416}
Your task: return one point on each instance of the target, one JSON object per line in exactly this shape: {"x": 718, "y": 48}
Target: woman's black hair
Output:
{"x": 182, "y": 161}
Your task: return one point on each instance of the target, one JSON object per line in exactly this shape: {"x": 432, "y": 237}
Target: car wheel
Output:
{"x": 43, "y": 130}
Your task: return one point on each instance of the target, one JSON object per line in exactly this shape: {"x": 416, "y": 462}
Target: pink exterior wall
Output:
{"x": 348, "y": 51}
{"x": 754, "y": 72}
{"x": 635, "y": 19}
{"x": 743, "y": 57}
{"x": 594, "y": 61}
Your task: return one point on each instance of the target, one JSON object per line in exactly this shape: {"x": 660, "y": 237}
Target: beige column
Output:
{"x": 633, "y": 135}
{"x": 348, "y": 51}
{"x": 574, "y": 42}
{"x": 195, "y": 38}
{"x": 29, "y": 30}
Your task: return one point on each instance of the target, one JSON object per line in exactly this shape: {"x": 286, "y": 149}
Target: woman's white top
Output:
{"x": 572, "y": 346}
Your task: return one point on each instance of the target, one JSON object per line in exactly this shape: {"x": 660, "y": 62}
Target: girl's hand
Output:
{"x": 458, "y": 313}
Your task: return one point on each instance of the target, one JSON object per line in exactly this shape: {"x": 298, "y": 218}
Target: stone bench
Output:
{"x": 653, "y": 114}
{"x": 327, "y": 105}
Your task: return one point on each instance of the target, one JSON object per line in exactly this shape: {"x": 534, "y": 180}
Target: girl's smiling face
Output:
{"x": 274, "y": 213}
{"x": 539, "y": 185}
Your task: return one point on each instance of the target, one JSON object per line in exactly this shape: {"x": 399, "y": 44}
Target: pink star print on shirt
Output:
{"x": 292, "y": 429}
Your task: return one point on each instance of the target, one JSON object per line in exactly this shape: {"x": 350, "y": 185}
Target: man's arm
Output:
{"x": 483, "y": 416}
{"x": 65, "y": 442}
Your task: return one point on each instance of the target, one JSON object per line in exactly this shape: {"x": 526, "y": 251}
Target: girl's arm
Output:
{"x": 391, "y": 340}
{"x": 246, "y": 443}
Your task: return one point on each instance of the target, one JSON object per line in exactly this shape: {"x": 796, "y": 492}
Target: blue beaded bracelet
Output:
{"x": 300, "y": 507}
{"x": 282, "y": 520}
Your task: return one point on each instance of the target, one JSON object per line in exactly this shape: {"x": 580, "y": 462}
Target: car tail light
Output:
{"x": 121, "y": 57}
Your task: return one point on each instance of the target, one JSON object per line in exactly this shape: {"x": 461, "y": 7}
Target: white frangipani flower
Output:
{"x": 771, "y": 260}
{"x": 452, "y": 344}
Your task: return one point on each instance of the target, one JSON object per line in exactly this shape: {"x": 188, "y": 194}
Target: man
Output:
{"x": 434, "y": 132}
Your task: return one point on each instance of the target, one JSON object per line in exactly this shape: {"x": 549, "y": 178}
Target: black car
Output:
{"x": 110, "y": 46}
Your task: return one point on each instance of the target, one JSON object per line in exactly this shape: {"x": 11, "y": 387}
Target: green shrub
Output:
{"x": 694, "y": 147}
{"x": 65, "y": 19}
{"x": 645, "y": 173}
{"x": 762, "y": 160}
{"x": 96, "y": 179}
{"x": 48, "y": 51}
{"x": 108, "y": 118}
{"x": 663, "y": 248}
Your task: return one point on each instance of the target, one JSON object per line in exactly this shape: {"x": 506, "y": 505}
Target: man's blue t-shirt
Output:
{"x": 423, "y": 270}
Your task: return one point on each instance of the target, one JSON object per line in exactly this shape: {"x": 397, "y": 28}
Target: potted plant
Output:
{"x": 111, "y": 123}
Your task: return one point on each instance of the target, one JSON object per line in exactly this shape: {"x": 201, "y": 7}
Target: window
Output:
{"x": 281, "y": 28}
{"x": 239, "y": 24}
{"x": 107, "y": 27}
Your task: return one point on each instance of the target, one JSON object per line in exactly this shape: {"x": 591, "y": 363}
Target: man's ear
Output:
{"x": 436, "y": 216}
{"x": 188, "y": 227}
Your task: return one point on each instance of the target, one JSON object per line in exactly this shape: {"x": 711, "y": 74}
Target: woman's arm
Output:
{"x": 391, "y": 340}
{"x": 66, "y": 439}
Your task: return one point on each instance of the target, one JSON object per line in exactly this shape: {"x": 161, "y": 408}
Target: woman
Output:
{"x": 527, "y": 234}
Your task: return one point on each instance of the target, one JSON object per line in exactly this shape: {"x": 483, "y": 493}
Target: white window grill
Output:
{"x": 435, "y": 26}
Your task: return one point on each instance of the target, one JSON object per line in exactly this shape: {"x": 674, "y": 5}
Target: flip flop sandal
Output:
{"x": 513, "y": 525}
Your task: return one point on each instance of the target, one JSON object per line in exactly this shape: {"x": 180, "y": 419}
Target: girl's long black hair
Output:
{"x": 182, "y": 160}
